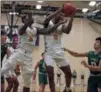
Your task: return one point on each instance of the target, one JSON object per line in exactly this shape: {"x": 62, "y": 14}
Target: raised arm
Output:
{"x": 46, "y": 31}
{"x": 76, "y": 54}
{"x": 68, "y": 27}
{"x": 29, "y": 21}
{"x": 48, "y": 18}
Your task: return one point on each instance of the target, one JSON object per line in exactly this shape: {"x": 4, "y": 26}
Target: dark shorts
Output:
{"x": 2, "y": 80}
{"x": 94, "y": 82}
{"x": 43, "y": 79}
{"x": 74, "y": 77}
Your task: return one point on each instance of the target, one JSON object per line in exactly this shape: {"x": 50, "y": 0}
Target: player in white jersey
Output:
{"x": 10, "y": 76}
{"x": 22, "y": 56}
{"x": 54, "y": 52}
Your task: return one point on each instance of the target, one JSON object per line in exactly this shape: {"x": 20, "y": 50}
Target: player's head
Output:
{"x": 97, "y": 44}
{"x": 24, "y": 19}
{"x": 74, "y": 70}
{"x": 3, "y": 36}
{"x": 42, "y": 55}
{"x": 58, "y": 17}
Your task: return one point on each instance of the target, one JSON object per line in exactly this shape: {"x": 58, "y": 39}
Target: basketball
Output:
{"x": 69, "y": 9}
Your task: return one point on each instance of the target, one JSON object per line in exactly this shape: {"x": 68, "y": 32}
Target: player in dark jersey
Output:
{"x": 59, "y": 76}
{"x": 74, "y": 76}
{"x": 94, "y": 65}
{"x": 4, "y": 51}
{"x": 42, "y": 74}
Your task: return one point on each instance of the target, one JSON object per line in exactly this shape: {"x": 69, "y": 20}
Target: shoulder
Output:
{"x": 91, "y": 52}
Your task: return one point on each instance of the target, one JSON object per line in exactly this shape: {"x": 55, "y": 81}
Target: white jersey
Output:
{"x": 53, "y": 42}
{"x": 28, "y": 39}
{"x": 11, "y": 71}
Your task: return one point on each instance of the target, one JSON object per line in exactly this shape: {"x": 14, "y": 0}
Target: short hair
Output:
{"x": 3, "y": 32}
{"x": 42, "y": 54}
{"x": 99, "y": 39}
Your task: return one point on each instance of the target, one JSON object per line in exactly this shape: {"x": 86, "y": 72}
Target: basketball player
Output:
{"x": 94, "y": 65}
{"x": 10, "y": 76}
{"x": 23, "y": 55}
{"x": 54, "y": 52}
{"x": 74, "y": 76}
{"x": 4, "y": 51}
{"x": 42, "y": 74}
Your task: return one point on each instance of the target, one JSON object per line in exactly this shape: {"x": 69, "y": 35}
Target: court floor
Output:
{"x": 59, "y": 88}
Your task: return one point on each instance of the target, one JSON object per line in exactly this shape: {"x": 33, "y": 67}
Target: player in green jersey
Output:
{"x": 42, "y": 73}
{"x": 94, "y": 65}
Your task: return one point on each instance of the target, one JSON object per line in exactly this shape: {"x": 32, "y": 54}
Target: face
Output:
{"x": 97, "y": 44}
{"x": 3, "y": 38}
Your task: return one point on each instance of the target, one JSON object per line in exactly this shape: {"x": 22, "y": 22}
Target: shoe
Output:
{"x": 67, "y": 90}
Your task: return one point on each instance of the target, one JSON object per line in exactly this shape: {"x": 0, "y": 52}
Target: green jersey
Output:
{"x": 94, "y": 60}
{"x": 3, "y": 51}
{"x": 74, "y": 75}
{"x": 42, "y": 67}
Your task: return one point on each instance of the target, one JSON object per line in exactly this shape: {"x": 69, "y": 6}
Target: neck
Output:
{"x": 97, "y": 50}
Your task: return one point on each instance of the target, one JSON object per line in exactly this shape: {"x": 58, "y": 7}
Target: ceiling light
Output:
{"x": 13, "y": 13}
{"x": 96, "y": 11}
{"x": 38, "y": 6}
{"x": 40, "y": 1}
{"x": 84, "y": 10}
{"x": 10, "y": 13}
{"x": 92, "y": 3}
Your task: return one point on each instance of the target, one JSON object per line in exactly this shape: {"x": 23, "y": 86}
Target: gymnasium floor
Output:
{"x": 34, "y": 87}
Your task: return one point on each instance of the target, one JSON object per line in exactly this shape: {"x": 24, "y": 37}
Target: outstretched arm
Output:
{"x": 48, "y": 18}
{"x": 46, "y": 31}
{"x": 75, "y": 54}
{"x": 91, "y": 67}
{"x": 67, "y": 28}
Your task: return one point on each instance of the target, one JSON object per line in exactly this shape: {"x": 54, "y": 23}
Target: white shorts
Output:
{"x": 25, "y": 62}
{"x": 60, "y": 62}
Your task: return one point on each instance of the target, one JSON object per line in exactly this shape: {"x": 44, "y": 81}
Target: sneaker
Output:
{"x": 67, "y": 90}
